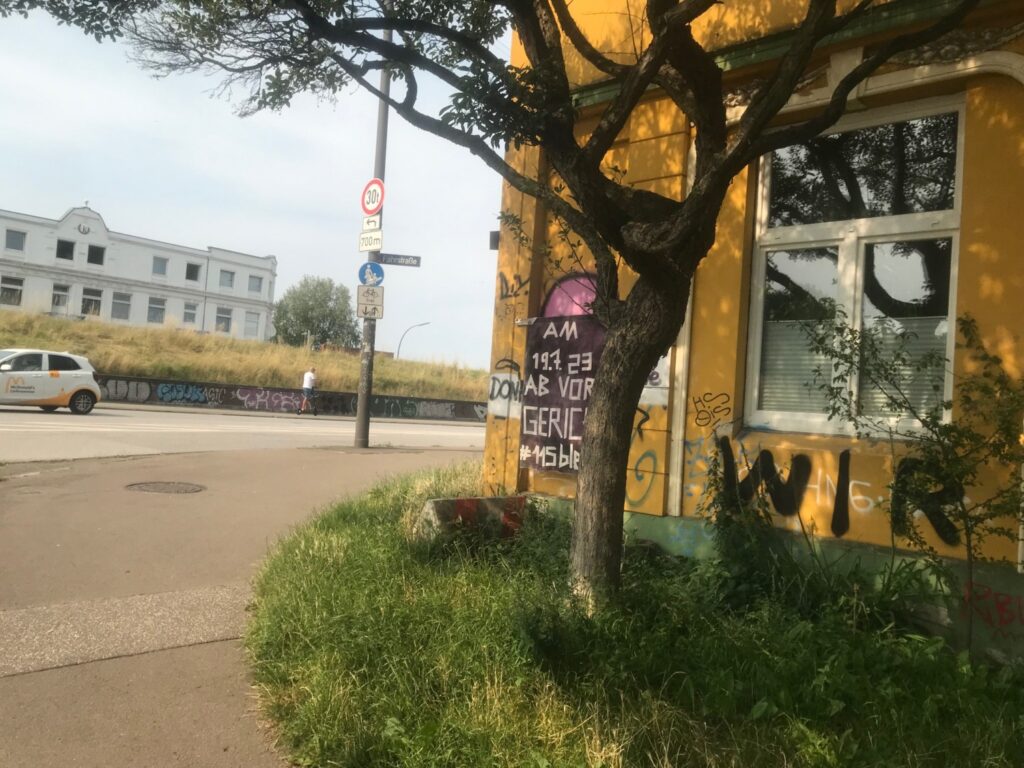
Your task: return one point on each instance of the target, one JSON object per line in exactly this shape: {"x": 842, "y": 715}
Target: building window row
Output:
{"x": 95, "y": 254}
{"x": 227, "y": 280}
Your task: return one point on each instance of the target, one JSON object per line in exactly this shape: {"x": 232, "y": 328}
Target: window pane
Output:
{"x": 798, "y": 286}
{"x": 96, "y": 254}
{"x": 906, "y": 295}
{"x": 32, "y": 361}
{"x": 223, "y": 319}
{"x": 227, "y": 279}
{"x": 10, "y": 291}
{"x": 65, "y": 249}
{"x": 900, "y": 168}
{"x": 14, "y": 240}
{"x": 255, "y": 283}
{"x": 159, "y": 265}
{"x": 156, "y": 310}
{"x": 121, "y": 306}
{"x": 252, "y": 324}
{"x": 63, "y": 363}
{"x": 60, "y": 296}
{"x": 92, "y": 299}
{"x": 189, "y": 315}
{"x": 191, "y": 271}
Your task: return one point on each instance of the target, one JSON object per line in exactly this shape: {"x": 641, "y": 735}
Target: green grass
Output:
{"x": 370, "y": 652}
{"x": 184, "y": 355}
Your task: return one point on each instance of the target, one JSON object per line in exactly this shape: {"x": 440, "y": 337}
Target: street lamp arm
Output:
{"x": 402, "y": 338}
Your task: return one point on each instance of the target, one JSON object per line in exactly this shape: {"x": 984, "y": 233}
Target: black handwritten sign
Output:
{"x": 562, "y": 354}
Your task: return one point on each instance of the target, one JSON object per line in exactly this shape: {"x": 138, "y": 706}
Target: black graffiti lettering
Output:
{"x": 512, "y": 288}
{"x": 910, "y": 473}
{"x": 841, "y": 508}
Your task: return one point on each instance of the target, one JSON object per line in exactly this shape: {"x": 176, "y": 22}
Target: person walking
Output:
{"x": 308, "y": 392}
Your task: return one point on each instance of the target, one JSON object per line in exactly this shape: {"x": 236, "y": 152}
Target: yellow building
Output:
{"x": 915, "y": 198}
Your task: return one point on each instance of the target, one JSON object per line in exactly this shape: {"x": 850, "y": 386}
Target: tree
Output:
{"x": 275, "y": 49}
{"x": 317, "y": 309}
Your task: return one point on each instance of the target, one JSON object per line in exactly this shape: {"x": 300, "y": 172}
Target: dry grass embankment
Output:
{"x": 184, "y": 355}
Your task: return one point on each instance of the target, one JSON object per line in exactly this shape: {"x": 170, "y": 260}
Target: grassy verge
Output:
{"x": 188, "y": 356}
{"x": 368, "y": 652}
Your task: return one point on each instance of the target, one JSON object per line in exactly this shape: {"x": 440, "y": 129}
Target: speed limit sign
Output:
{"x": 373, "y": 197}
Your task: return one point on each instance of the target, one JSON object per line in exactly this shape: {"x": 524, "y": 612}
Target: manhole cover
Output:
{"x": 166, "y": 487}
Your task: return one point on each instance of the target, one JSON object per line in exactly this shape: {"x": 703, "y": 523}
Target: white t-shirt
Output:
{"x": 308, "y": 380}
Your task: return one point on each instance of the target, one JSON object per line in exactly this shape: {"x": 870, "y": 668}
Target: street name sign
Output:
{"x": 371, "y": 241}
{"x": 398, "y": 260}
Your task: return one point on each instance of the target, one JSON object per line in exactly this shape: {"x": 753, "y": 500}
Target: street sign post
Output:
{"x": 371, "y": 241}
{"x": 398, "y": 260}
{"x": 373, "y": 197}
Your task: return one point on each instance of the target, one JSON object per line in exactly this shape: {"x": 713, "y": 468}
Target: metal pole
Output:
{"x": 370, "y": 325}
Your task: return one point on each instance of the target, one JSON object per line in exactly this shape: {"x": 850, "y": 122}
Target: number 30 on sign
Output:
{"x": 373, "y": 197}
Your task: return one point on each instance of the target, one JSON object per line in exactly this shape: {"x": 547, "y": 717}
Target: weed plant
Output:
{"x": 370, "y": 652}
{"x": 188, "y": 356}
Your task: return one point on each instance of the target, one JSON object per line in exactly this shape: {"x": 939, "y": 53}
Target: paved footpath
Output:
{"x": 121, "y": 611}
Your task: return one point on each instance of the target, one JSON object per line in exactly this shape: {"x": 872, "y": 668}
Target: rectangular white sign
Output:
{"x": 371, "y": 241}
{"x": 370, "y": 223}
{"x": 369, "y": 311}
{"x": 370, "y": 294}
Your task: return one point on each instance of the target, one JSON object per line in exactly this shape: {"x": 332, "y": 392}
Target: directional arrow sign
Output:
{"x": 370, "y": 312}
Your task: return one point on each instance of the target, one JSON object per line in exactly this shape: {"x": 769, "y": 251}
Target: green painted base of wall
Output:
{"x": 997, "y": 605}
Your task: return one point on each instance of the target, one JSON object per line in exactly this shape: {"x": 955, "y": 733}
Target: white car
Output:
{"x": 49, "y": 380}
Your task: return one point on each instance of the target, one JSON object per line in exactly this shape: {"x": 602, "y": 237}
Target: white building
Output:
{"x": 76, "y": 267}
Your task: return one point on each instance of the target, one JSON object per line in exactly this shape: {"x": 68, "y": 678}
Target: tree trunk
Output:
{"x": 647, "y": 327}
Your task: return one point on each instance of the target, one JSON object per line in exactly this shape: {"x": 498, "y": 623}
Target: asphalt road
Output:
{"x": 28, "y": 434}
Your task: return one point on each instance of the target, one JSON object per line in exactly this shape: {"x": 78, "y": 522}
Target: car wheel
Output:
{"x": 82, "y": 402}
{"x": 48, "y": 408}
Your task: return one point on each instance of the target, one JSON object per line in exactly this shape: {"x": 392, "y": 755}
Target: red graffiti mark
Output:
{"x": 997, "y": 609}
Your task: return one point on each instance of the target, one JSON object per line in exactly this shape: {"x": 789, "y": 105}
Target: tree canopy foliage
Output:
{"x": 318, "y": 310}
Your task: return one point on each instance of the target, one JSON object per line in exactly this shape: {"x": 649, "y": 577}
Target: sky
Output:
{"x": 168, "y": 159}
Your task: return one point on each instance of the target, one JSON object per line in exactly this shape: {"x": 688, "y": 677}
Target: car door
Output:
{"x": 24, "y": 379}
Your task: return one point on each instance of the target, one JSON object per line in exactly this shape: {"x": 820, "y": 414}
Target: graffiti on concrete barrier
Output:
{"x": 124, "y": 390}
{"x": 190, "y": 394}
{"x": 279, "y": 400}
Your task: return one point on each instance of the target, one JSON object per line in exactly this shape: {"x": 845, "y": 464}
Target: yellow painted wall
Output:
{"x": 652, "y": 152}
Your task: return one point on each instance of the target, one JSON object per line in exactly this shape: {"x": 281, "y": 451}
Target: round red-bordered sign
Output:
{"x": 373, "y": 197}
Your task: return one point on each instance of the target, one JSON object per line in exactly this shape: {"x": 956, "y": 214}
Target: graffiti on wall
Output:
{"x": 562, "y": 354}
{"x": 710, "y": 410}
{"x": 505, "y": 393}
{"x": 1001, "y": 612}
{"x": 511, "y": 288}
{"x": 641, "y": 475}
{"x": 841, "y": 494}
{"x": 277, "y": 400}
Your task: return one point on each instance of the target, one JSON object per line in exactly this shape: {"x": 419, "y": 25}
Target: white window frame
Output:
{"x": 191, "y": 307}
{"x": 91, "y": 298}
{"x": 62, "y": 290}
{"x": 14, "y": 285}
{"x": 223, "y": 312}
{"x": 24, "y": 240}
{"x": 162, "y": 260}
{"x": 259, "y": 288}
{"x": 156, "y": 304}
{"x": 850, "y": 237}
{"x": 115, "y": 301}
{"x": 256, "y": 326}
{"x": 230, "y": 275}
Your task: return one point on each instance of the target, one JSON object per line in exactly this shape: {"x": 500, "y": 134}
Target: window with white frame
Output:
{"x": 227, "y": 279}
{"x": 188, "y": 316}
{"x": 252, "y": 325}
{"x": 60, "y": 298}
{"x": 223, "y": 319}
{"x": 92, "y": 301}
{"x": 157, "y": 310}
{"x": 160, "y": 266}
{"x": 255, "y": 284}
{"x": 864, "y": 220}
{"x": 10, "y": 291}
{"x": 192, "y": 271}
{"x": 120, "y": 306}
{"x": 14, "y": 240}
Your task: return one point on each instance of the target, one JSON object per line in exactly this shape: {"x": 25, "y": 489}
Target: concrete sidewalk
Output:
{"x": 120, "y": 611}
